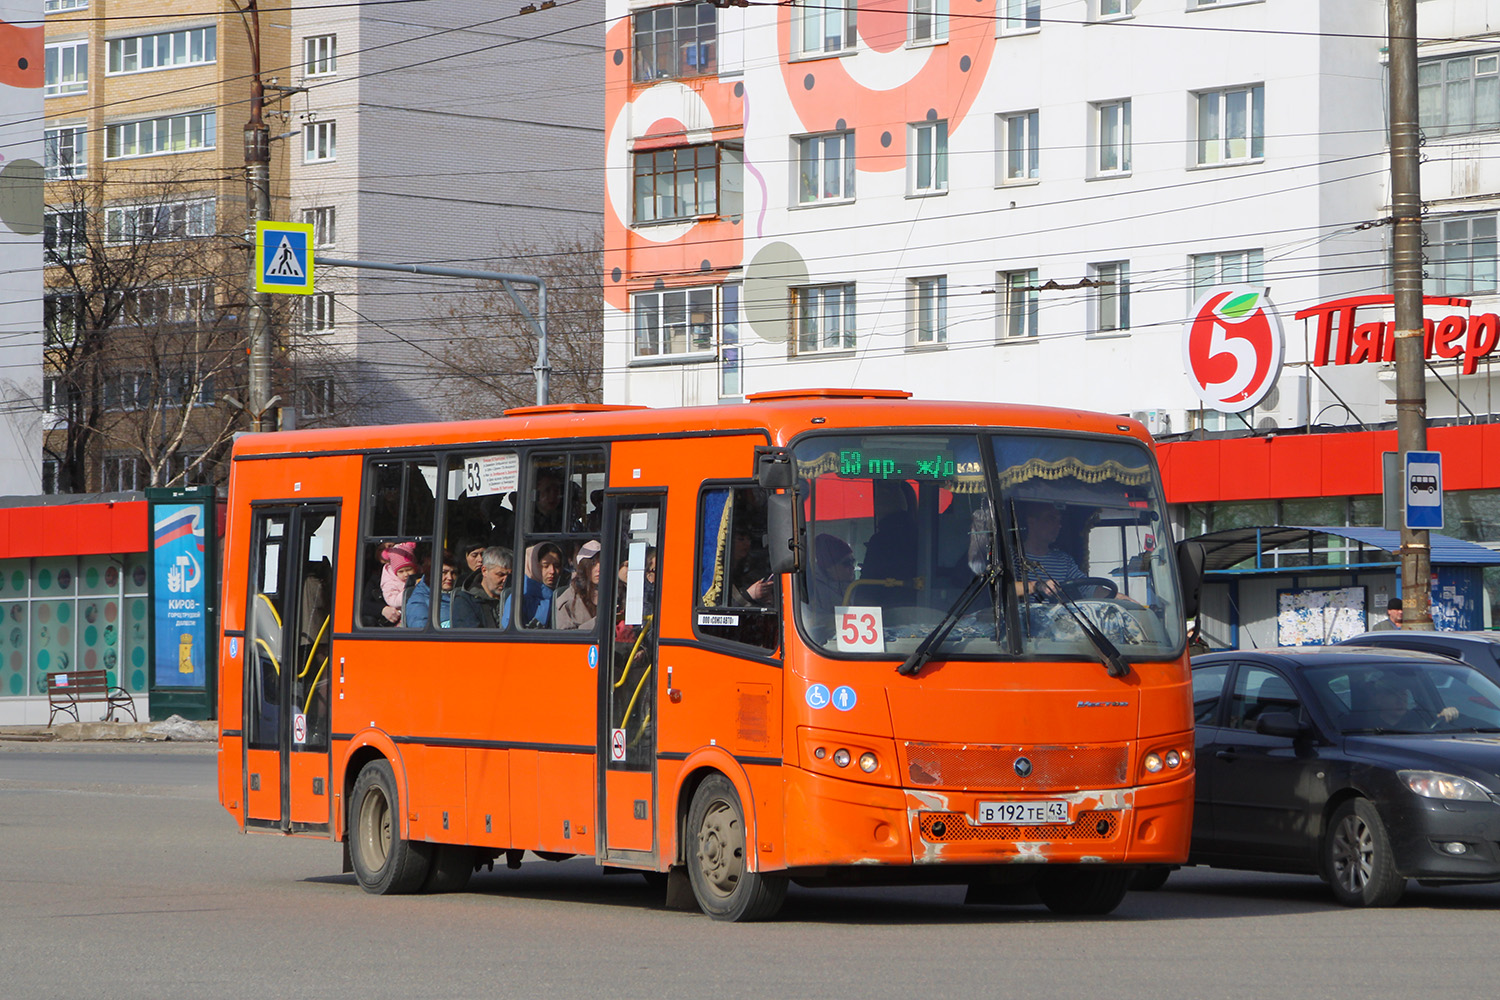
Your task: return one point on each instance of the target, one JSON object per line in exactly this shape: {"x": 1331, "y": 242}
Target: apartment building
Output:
{"x": 145, "y": 103}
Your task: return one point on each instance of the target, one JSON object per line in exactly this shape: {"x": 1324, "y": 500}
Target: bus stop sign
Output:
{"x": 1424, "y": 489}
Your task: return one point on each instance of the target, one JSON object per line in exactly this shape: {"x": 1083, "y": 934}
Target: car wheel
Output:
{"x": 384, "y": 864}
{"x": 1357, "y": 857}
{"x": 722, "y": 883}
{"x": 1083, "y": 891}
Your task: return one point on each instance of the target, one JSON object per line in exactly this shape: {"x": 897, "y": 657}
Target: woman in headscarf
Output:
{"x": 544, "y": 575}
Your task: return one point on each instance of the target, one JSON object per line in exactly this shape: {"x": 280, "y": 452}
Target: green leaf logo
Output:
{"x": 1239, "y": 306}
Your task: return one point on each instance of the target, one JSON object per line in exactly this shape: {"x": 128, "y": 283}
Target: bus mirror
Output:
{"x": 773, "y": 468}
{"x": 781, "y": 532}
{"x": 1190, "y": 557}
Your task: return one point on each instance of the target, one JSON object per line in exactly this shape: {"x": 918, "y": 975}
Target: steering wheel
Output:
{"x": 1075, "y": 588}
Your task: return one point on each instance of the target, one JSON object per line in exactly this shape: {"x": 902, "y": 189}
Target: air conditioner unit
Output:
{"x": 1161, "y": 422}
{"x": 1284, "y": 407}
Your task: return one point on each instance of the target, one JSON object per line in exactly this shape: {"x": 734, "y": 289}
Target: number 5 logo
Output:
{"x": 1232, "y": 347}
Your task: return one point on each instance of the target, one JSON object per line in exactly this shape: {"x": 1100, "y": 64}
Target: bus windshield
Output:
{"x": 1060, "y": 529}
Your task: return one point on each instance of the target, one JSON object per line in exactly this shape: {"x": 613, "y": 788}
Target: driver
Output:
{"x": 1392, "y": 711}
{"x": 1041, "y": 523}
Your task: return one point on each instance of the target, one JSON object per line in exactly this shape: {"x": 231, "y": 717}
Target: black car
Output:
{"x": 1480, "y": 650}
{"x": 1364, "y": 767}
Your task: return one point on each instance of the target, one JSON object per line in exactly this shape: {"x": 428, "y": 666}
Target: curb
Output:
{"x": 174, "y": 730}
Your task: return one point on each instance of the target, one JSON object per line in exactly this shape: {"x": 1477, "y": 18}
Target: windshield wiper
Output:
{"x": 939, "y": 634}
{"x": 1114, "y": 660}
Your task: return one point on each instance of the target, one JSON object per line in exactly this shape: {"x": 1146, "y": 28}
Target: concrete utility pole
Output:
{"x": 1411, "y": 378}
{"x": 257, "y": 208}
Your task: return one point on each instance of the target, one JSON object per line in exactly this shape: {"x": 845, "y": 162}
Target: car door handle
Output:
{"x": 1228, "y": 755}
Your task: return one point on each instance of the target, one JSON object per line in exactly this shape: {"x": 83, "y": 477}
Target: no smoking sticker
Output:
{"x": 617, "y": 744}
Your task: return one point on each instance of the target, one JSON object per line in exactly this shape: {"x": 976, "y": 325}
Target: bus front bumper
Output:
{"x": 835, "y": 822}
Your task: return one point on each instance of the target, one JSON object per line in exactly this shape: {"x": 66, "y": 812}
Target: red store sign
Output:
{"x": 1344, "y": 341}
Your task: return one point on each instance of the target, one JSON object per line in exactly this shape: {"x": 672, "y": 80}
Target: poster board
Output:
{"x": 1319, "y": 616}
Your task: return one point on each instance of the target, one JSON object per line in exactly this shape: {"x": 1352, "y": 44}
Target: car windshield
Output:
{"x": 1406, "y": 697}
{"x": 900, "y": 524}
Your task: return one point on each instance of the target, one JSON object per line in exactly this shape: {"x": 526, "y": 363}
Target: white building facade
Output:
{"x": 445, "y": 136}
{"x": 1022, "y": 200}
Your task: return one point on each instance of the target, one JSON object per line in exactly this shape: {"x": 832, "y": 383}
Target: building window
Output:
{"x": 1018, "y": 295}
{"x": 1460, "y": 255}
{"x": 688, "y": 182}
{"x": 317, "y": 312}
{"x": 319, "y": 141}
{"x": 929, "y": 310}
{"x": 929, "y": 158}
{"x": 322, "y": 221}
{"x": 67, "y": 69}
{"x": 51, "y": 475}
{"x": 825, "y": 318}
{"x": 1105, "y": 10}
{"x": 1236, "y": 267}
{"x": 187, "y": 388}
{"x": 320, "y": 55}
{"x": 1018, "y": 141}
{"x": 170, "y": 305}
{"x": 1112, "y": 131}
{"x": 317, "y": 397}
{"x": 1456, "y": 95}
{"x": 171, "y": 221}
{"x": 66, "y": 152}
{"x": 60, "y": 319}
{"x": 127, "y": 391}
{"x": 1231, "y": 125}
{"x": 57, "y": 6}
{"x": 826, "y": 28}
{"x": 57, "y": 394}
{"x": 149, "y": 137}
{"x": 679, "y": 321}
{"x": 825, "y": 168}
{"x": 677, "y": 41}
{"x": 120, "y": 474}
{"x": 64, "y": 236}
{"x": 927, "y": 22}
{"x": 1021, "y": 15}
{"x": 1111, "y": 297}
{"x": 166, "y": 50}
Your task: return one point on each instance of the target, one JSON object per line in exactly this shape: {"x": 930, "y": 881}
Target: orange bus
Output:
{"x": 826, "y": 636}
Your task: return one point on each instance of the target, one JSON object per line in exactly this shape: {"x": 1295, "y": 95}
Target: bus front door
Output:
{"x": 628, "y": 679}
{"x": 288, "y": 660}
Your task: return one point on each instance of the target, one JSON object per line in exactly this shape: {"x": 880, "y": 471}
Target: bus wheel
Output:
{"x": 384, "y": 864}
{"x": 1083, "y": 890}
{"x": 723, "y": 885}
{"x": 452, "y": 864}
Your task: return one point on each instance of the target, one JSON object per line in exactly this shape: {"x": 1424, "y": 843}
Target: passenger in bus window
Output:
{"x": 539, "y": 587}
{"x": 473, "y": 553}
{"x": 486, "y": 604}
{"x": 382, "y": 603}
{"x": 891, "y": 552}
{"x": 419, "y": 604}
{"x": 547, "y": 509}
{"x": 750, "y": 572}
{"x": 595, "y": 516}
{"x": 833, "y": 571}
{"x": 578, "y": 603}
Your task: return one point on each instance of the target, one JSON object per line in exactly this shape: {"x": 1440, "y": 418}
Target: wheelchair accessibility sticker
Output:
{"x": 818, "y": 696}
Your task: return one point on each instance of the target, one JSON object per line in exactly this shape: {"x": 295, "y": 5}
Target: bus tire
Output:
{"x": 1083, "y": 890}
{"x": 722, "y": 883}
{"x": 451, "y": 866}
{"x": 384, "y": 864}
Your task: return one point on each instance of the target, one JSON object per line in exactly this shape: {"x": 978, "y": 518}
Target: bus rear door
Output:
{"x": 288, "y": 662}
{"x": 628, "y": 681}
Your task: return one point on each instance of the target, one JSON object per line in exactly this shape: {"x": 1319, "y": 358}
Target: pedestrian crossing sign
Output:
{"x": 284, "y": 258}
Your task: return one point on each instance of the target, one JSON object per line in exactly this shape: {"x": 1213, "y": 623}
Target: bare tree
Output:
{"x": 492, "y": 351}
{"x": 145, "y": 332}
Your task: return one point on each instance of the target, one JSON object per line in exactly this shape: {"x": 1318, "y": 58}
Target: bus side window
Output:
{"x": 736, "y": 596}
{"x": 559, "y": 523}
{"x": 397, "y": 530}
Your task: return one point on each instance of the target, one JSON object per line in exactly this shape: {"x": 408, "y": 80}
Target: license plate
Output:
{"x": 1034, "y": 813}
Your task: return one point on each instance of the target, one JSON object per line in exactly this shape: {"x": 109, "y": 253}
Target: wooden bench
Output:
{"x": 68, "y": 689}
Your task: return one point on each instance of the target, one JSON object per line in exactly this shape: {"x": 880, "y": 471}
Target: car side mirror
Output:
{"x": 774, "y": 469}
{"x": 1281, "y": 724}
{"x": 783, "y": 532}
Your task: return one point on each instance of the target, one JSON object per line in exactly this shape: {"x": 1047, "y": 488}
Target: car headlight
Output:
{"x": 1436, "y": 785}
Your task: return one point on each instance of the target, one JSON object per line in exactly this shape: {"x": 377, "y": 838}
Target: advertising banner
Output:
{"x": 180, "y": 595}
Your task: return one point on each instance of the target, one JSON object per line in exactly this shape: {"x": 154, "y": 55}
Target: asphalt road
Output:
{"x": 120, "y": 876}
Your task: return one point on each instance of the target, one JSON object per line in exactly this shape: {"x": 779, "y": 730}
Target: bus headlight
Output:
{"x": 1153, "y": 762}
{"x": 868, "y": 762}
{"x": 841, "y": 757}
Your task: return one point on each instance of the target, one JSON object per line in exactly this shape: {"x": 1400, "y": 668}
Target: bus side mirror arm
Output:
{"x": 1190, "y": 558}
